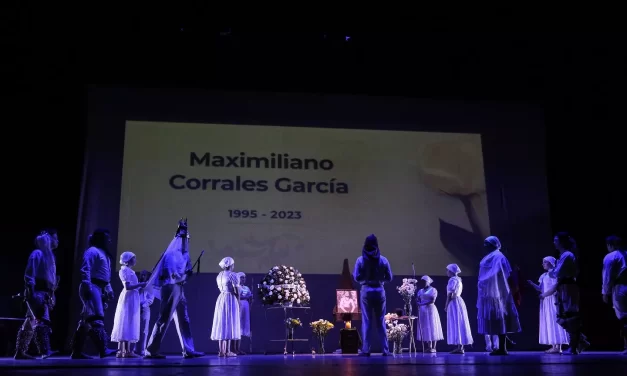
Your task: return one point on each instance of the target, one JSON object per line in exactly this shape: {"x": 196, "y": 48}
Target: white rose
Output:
{"x": 279, "y": 297}
{"x": 271, "y": 287}
{"x": 264, "y": 282}
{"x": 270, "y": 293}
{"x": 278, "y": 288}
{"x": 272, "y": 281}
{"x": 298, "y": 301}
{"x": 275, "y": 268}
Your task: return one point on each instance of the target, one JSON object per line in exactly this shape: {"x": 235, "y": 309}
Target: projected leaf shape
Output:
{"x": 453, "y": 167}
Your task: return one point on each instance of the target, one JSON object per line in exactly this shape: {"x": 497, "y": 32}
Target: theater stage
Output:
{"x": 472, "y": 363}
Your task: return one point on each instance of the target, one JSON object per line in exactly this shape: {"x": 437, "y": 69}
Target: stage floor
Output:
{"x": 470, "y": 364}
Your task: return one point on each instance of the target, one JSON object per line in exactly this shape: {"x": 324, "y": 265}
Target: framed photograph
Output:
{"x": 346, "y": 301}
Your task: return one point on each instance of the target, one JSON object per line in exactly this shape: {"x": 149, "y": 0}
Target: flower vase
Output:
{"x": 408, "y": 309}
{"x": 321, "y": 344}
{"x": 398, "y": 346}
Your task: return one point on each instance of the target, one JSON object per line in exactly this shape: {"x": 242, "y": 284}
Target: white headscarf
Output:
{"x": 453, "y": 268}
{"x": 226, "y": 262}
{"x": 551, "y": 260}
{"x": 126, "y": 257}
{"x": 427, "y": 279}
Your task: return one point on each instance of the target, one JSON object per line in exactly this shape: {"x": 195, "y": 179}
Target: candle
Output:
{"x": 347, "y": 324}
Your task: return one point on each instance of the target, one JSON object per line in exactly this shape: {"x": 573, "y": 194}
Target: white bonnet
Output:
{"x": 226, "y": 262}
{"x": 126, "y": 257}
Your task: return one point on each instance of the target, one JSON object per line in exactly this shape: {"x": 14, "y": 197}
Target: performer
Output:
{"x": 430, "y": 324}
{"x": 457, "y": 323}
{"x": 567, "y": 292}
{"x": 170, "y": 276}
{"x": 226, "y": 315}
{"x": 615, "y": 281}
{"x": 550, "y": 332}
{"x": 496, "y": 310}
{"x": 40, "y": 283}
{"x": 372, "y": 270}
{"x": 145, "y": 301}
{"x": 244, "y": 312}
{"x": 126, "y": 323}
{"x": 95, "y": 291}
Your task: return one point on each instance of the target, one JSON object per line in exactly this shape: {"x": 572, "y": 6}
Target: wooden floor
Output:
{"x": 470, "y": 364}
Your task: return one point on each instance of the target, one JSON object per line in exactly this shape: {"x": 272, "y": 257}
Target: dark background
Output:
{"x": 577, "y": 78}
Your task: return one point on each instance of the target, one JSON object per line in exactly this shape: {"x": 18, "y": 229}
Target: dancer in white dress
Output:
{"x": 127, "y": 313}
{"x": 244, "y": 312}
{"x": 226, "y": 317}
{"x": 550, "y": 332}
{"x": 457, "y": 323}
{"x": 430, "y": 327}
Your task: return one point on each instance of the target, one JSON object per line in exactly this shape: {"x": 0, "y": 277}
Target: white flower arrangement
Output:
{"x": 283, "y": 285}
{"x": 394, "y": 330}
{"x": 408, "y": 289}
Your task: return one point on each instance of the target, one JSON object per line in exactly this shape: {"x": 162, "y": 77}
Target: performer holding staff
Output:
{"x": 167, "y": 282}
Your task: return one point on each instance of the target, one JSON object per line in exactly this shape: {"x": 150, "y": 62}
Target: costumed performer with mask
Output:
{"x": 41, "y": 281}
{"x": 167, "y": 281}
{"x": 95, "y": 291}
{"x": 372, "y": 270}
{"x": 496, "y": 309}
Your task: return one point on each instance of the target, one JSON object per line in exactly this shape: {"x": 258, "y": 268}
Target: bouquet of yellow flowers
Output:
{"x": 321, "y": 327}
{"x": 292, "y": 323}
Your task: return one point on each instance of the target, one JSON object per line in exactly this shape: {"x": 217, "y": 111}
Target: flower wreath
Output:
{"x": 283, "y": 285}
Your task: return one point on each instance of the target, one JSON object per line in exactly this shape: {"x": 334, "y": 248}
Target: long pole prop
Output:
{"x": 422, "y": 341}
{"x": 250, "y": 313}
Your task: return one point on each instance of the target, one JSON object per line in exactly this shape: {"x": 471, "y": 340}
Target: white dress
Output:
{"x": 457, "y": 323}
{"x": 429, "y": 324}
{"x": 226, "y": 318}
{"x": 244, "y": 310}
{"x": 550, "y": 331}
{"x": 128, "y": 311}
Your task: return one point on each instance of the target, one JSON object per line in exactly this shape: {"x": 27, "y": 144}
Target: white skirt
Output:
{"x": 127, "y": 317}
{"x": 226, "y": 318}
{"x": 429, "y": 327}
{"x": 550, "y": 331}
{"x": 457, "y": 324}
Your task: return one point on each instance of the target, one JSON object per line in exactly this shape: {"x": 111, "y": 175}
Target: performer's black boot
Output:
{"x": 42, "y": 340}
{"x": 502, "y": 350}
{"x": 624, "y": 337}
{"x": 21, "y": 345}
{"x": 583, "y": 343}
{"x": 101, "y": 340}
{"x": 574, "y": 342}
{"x": 78, "y": 343}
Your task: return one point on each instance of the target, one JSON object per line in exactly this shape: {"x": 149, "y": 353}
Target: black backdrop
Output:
{"x": 577, "y": 78}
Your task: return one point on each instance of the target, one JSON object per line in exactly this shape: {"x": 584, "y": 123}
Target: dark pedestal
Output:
{"x": 349, "y": 341}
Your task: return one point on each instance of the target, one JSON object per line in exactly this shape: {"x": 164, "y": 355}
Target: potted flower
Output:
{"x": 320, "y": 329}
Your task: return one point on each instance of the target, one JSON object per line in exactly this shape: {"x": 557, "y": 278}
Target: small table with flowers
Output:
{"x": 412, "y": 341}
{"x": 288, "y": 338}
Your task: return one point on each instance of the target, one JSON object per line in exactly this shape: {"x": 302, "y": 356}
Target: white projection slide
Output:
{"x": 305, "y": 197}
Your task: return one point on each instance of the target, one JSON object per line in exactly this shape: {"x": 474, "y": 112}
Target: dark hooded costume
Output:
{"x": 371, "y": 271}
